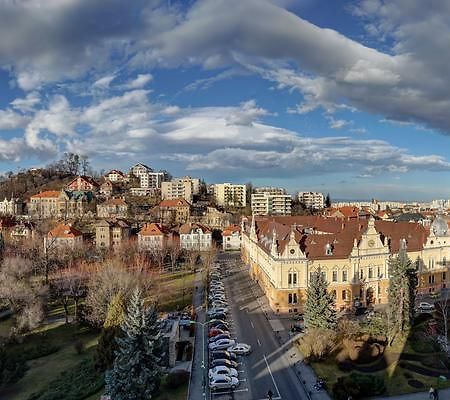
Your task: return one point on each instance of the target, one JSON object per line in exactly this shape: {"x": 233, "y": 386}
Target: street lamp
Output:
{"x": 203, "y": 324}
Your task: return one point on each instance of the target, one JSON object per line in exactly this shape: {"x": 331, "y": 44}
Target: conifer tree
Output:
{"x": 107, "y": 343}
{"x": 402, "y": 288}
{"x": 320, "y": 310}
{"x": 136, "y": 372}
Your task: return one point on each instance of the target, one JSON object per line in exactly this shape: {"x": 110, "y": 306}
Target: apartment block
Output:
{"x": 266, "y": 203}
{"x": 151, "y": 180}
{"x": 184, "y": 188}
{"x": 228, "y": 194}
{"x": 314, "y": 200}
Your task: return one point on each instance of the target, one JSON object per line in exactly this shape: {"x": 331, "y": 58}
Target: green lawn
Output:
{"x": 172, "y": 286}
{"x": 44, "y": 369}
{"x": 177, "y": 394}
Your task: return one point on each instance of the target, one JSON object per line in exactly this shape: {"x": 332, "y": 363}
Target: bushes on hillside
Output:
{"x": 317, "y": 343}
{"x": 12, "y": 367}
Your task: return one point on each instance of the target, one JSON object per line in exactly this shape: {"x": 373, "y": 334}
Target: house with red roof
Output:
{"x": 63, "y": 236}
{"x": 231, "y": 237}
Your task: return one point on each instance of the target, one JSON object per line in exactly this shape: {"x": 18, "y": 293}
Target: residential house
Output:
{"x": 174, "y": 211}
{"x": 83, "y": 183}
{"x": 195, "y": 236}
{"x": 76, "y": 204}
{"x": 116, "y": 176}
{"x": 63, "y": 236}
{"x": 231, "y": 237}
{"x": 112, "y": 233}
{"x": 113, "y": 208}
{"x": 22, "y": 232}
{"x": 44, "y": 204}
{"x": 108, "y": 189}
{"x": 154, "y": 236}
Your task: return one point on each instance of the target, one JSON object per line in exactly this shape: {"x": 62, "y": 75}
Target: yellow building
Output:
{"x": 282, "y": 252}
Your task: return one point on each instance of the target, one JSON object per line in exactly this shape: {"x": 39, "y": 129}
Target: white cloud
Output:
{"x": 28, "y": 103}
{"x": 140, "y": 81}
{"x": 104, "y": 82}
{"x": 12, "y": 120}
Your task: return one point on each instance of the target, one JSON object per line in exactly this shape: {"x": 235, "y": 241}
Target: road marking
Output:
{"x": 243, "y": 380}
{"x": 259, "y": 343}
{"x": 230, "y": 391}
{"x": 251, "y": 323}
{"x": 273, "y": 380}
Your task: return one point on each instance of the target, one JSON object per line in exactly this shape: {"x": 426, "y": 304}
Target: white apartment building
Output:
{"x": 151, "y": 180}
{"x": 195, "y": 237}
{"x": 140, "y": 169}
{"x": 269, "y": 190}
{"x": 314, "y": 200}
{"x": 228, "y": 194}
{"x": 182, "y": 187}
{"x": 264, "y": 203}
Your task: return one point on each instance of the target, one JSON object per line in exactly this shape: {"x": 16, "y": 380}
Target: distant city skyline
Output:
{"x": 348, "y": 97}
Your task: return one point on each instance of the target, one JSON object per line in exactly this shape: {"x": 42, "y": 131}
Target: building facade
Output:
{"x": 83, "y": 183}
{"x": 153, "y": 237}
{"x": 195, "y": 237}
{"x": 231, "y": 238}
{"x": 266, "y": 203}
{"x": 61, "y": 237}
{"x": 174, "y": 211}
{"x": 228, "y": 194}
{"x": 113, "y": 208}
{"x": 116, "y": 176}
{"x": 314, "y": 200}
{"x": 182, "y": 187}
{"x": 44, "y": 204}
{"x": 112, "y": 234}
{"x": 12, "y": 206}
{"x": 283, "y": 252}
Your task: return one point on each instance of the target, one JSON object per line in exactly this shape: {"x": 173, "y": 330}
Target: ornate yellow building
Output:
{"x": 282, "y": 252}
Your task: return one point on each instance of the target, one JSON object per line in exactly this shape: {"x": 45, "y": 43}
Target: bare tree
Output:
{"x": 23, "y": 294}
{"x": 192, "y": 257}
{"x": 174, "y": 251}
{"x": 443, "y": 310}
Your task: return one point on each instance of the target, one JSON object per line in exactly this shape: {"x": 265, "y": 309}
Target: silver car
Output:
{"x": 223, "y": 382}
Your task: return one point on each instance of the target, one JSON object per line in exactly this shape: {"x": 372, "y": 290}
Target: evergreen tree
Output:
{"x": 402, "y": 288}
{"x": 320, "y": 310}
{"x": 107, "y": 343}
{"x": 136, "y": 372}
{"x": 327, "y": 201}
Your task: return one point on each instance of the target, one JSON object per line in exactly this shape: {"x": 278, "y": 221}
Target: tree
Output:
{"x": 174, "y": 252}
{"x": 328, "y": 201}
{"x": 136, "y": 373}
{"x": 320, "y": 310}
{"x": 401, "y": 293}
{"x": 107, "y": 343}
{"x": 443, "y": 311}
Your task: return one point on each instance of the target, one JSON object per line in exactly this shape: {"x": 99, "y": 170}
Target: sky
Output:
{"x": 349, "y": 98}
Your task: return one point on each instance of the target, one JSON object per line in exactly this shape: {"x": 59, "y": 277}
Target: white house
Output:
{"x": 194, "y": 236}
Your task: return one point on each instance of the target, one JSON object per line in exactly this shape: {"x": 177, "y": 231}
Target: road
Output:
{"x": 269, "y": 366}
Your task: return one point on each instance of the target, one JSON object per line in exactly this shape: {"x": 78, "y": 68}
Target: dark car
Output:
{"x": 216, "y": 322}
{"x": 296, "y": 328}
{"x": 218, "y": 316}
{"x": 223, "y": 326}
{"x": 223, "y": 361}
{"x": 224, "y": 355}
{"x": 221, "y": 336}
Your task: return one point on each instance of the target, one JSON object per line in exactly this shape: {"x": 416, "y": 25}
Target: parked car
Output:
{"x": 223, "y": 382}
{"x": 217, "y": 310}
{"x": 214, "y": 332}
{"x": 223, "y": 354}
{"x": 222, "y": 370}
{"x": 221, "y": 344}
{"x": 222, "y": 325}
{"x": 217, "y": 315}
{"x": 225, "y": 335}
{"x": 219, "y": 304}
{"x": 297, "y": 328}
{"x": 240, "y": 349}
{"x": 223, "y": 361}
{"x": 423, "y": 306}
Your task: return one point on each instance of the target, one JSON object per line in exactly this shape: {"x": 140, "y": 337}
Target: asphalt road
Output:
{"x": 268, "y": 366}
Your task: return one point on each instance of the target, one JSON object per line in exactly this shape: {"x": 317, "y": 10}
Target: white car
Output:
{"x": 219, "y": 304}
{"x": 217, "y": 297}
{"x": 222, "y": 370}
{"x": 423, "y": 306}
{"x": 240, "y": 348}
{"x": 221, "y": 344}
{"x": 223, "y": 382}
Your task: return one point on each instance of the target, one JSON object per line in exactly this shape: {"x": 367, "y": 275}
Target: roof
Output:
{"x": 118, "y": 222}
{"x": 229, "y": 230}
{"x": 154, "y": 229}
{"x": 187, "y": 228}
{"x": 46, "y": 194}
{"x": 85, "y": 178}
{"x": 116, "y": 171}
{"x": 179, "y": 202}
{"x": 114, "y": 202}
{"x": 314, "y": 233}
{"x": 64, "y": 231}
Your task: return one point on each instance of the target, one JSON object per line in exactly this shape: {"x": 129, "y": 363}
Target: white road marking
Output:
{"x": 259, "y": 343}
{"x": 251, "y": 323}
{"x": 273, "y": 380}
{"x": 230, "y": 391}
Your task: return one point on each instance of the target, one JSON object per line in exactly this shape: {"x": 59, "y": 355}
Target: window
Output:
{"x": 444, "y": 276}
{"x": 431, "y": 279}
{"x": 335, "y": 276}
{"x": 370, "y": 272}
{"x": 290, "y": 298}
{"x": 344, "y": 295}
{"x": 324, "y": 275}
{"x": 361, "y": 275}
{"x": 378, "y": 272}
{"x": 294, "y": 280}
{"x": 344, "y": 276}
{"x": 289, "y": 279}
{"x": 295, "y": 298}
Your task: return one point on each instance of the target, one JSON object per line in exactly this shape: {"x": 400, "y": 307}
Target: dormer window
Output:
{"x": 329, "y": 249}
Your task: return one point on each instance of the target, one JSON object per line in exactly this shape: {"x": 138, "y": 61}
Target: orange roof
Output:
{"x": 64, "y": 231}
{"x": 153, "y": 229}
{"x": 229, "y": 230}
{"x": 85, "y": 178}
{"x": 180, "y": 202}
{"x": 46, "y": 194}
{"x": 116, "y": 171}
{"x": 114, "y": 202}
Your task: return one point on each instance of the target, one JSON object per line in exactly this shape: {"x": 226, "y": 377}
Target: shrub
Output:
{"x": 12, "y": 367}
{"x": 317, "y": 343}
{"x": 358, "y": 386}
{"x": 416, "y": 384}
{"x": 423, "y": 345}
{"x": 78, "y": 346}
{"x": 407, "y": 375}
{"x": 177, "y": 378}
{"x": 434, "y": 361}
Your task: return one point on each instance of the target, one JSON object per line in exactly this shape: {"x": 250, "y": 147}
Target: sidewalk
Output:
{"x": 196, "y": 384}
{"x": 444, "y": 394}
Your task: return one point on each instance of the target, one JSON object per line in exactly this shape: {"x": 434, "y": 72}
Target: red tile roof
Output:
{"x": 64, "y": 231}
{"x": 154, "y": 229}
{"x": 180, "y": 202}
{"x": 187, "y": 228}
{"x": 229, "y": 230}
{"x": 46, "y": 194}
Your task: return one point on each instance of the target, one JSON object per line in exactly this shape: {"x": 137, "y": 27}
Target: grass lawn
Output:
{"x": 172, "y": 286}
{"x": 5, "y": 327}
{"x": 44, "y": 369}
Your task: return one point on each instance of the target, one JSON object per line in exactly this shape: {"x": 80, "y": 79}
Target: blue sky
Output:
{"x": 346, "y": 97}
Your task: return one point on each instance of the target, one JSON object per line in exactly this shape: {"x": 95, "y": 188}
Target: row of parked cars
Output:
{"x": 223, "y": 349}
